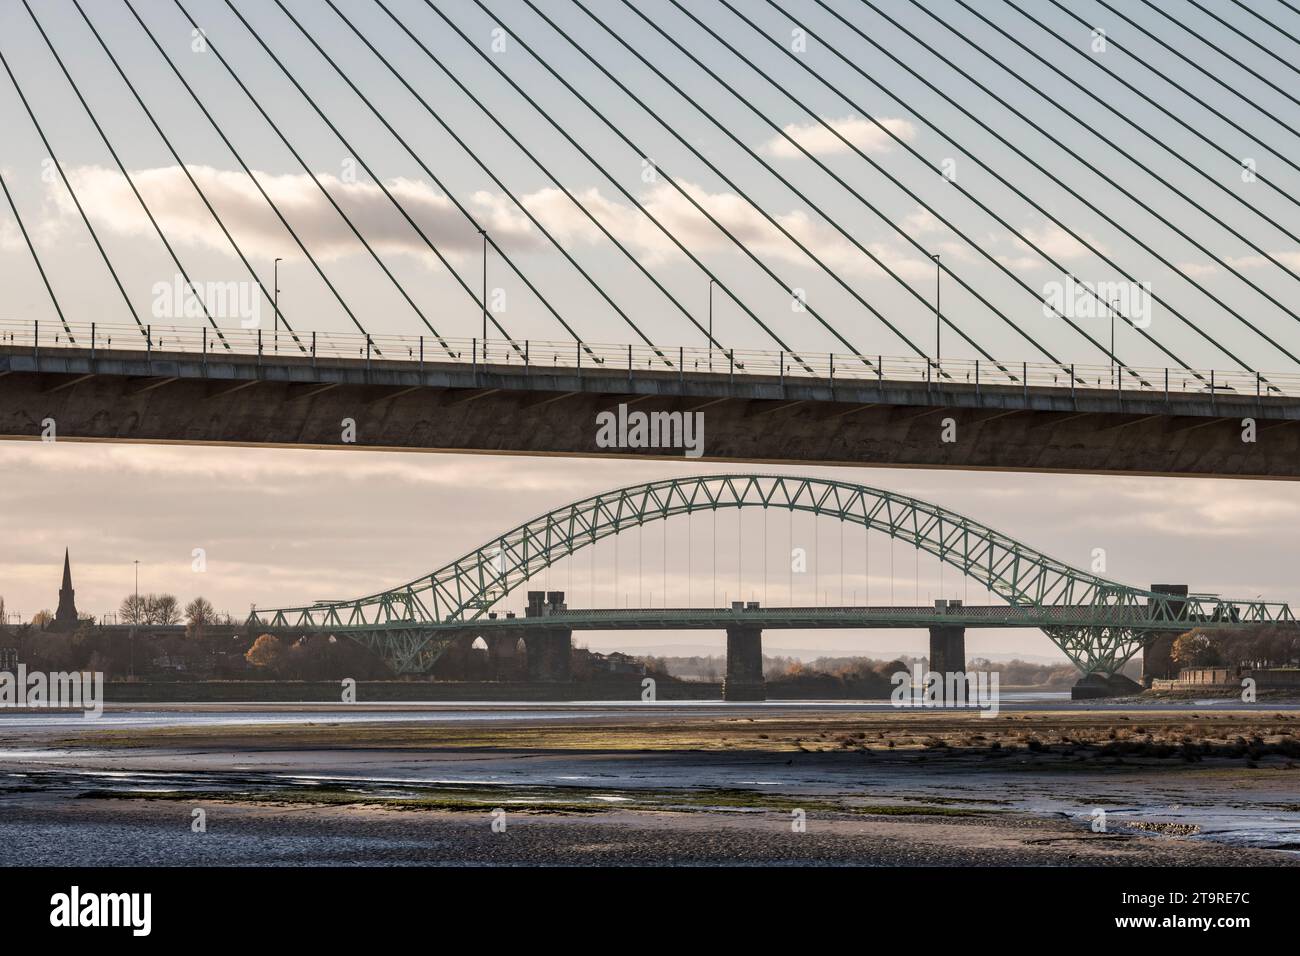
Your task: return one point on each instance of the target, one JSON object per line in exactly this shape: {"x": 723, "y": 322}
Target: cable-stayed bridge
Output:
{"x": 1055, "y": 237}
{"x": 548, "y": 398}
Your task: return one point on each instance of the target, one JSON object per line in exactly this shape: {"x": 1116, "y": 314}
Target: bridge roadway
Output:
{"x": 541, "y": 399}
{"x": 545, "y": 632}
{"x": 719, "y": 619}
{"x": 785, "y": 618}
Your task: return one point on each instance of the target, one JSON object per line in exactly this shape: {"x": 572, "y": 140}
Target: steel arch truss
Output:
{"x": 465, "y": 589}
{"x": 408, "y": 650}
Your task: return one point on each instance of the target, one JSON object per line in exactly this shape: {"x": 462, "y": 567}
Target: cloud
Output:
{"x": 921, "y": 221}
{"x": 46, "y": 230}
{"x": 1059, "y": 244}
{"x": 820, "y": 141}
{"x": 1288, "y": 257}
{"x": 1050, "y": 238}
{"x": 1021, "y": 263}
{"x": 11, "y": 239}
{"x": 108, "y": 200}
{"x": 1205, "y": 510}
{"x": 111, "y": 205}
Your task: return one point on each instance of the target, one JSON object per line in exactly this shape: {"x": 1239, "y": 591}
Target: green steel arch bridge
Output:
{"x": 1098, "y": 623}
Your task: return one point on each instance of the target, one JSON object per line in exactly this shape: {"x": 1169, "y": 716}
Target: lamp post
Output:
{"x": 275, "y": 303}
{"x": 136, "y": 614}
{"x": 1113, "y": 306}
{"x": 710, "y": 342}
{"x": 938, "y": 314}
{"x": 483, "y": 233}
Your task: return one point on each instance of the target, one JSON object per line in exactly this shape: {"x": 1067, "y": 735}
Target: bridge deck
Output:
{"x": 543, "y": 398}
{"x": 785, "y": 618}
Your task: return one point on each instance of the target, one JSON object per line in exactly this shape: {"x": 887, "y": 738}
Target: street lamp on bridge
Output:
{"x": 938, "y": 314}
{"x": 712, "y": 282}
{"x": 275, "y": 305}
{"x": 1114, "y": 305}
{"x": 136, "y": 614}
{"x": 483, "y": 233}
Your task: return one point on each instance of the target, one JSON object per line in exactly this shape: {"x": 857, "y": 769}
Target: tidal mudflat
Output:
{"x": 828, "y": 784}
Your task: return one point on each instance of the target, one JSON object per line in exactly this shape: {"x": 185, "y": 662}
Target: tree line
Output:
{"x": 1270, "y": 645}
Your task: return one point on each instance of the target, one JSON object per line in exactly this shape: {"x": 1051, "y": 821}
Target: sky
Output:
{"x": 846, "y": 164}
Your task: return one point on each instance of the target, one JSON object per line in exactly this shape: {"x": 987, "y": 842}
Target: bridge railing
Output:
{"x": 169, "y": 339}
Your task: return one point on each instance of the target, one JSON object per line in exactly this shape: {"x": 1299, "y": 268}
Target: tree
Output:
{"x": 43, "y": 618}
{"x": 1262, "y": 645}
{"x": 162, "y": 609}
{"x": 1196, "y": 648}
{"x": 267, "y": 652}
{"x": 199, "y": 613}
{"x": 132, "y": 610}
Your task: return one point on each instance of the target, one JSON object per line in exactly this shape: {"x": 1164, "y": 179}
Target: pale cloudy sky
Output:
{"x": 287, "y": 527}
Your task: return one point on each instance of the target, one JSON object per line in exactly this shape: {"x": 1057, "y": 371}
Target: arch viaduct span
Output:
{"x": 1098, "y": 623}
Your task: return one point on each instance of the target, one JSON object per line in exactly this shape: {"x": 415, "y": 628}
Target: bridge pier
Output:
{"x": 550, "y": 654}
{"x": 948, "y": 653}
{"x": 550, "y": 650}
{"x": 744, "y": 679}
{"x": 503, "y": 652}
{"x": 948, "y": 648}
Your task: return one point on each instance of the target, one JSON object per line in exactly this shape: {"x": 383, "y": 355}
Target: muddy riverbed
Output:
{"x": 833, "y": 784}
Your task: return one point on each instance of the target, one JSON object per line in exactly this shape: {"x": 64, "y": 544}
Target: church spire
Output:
{"x": 65, "y": 619}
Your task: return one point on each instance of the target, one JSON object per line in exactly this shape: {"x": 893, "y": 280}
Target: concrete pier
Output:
{"x": 550, "y": 654}
{"x": 550, "y": 650}
{"x": 948, "y": 648}
{"x": 744, "y": 679}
